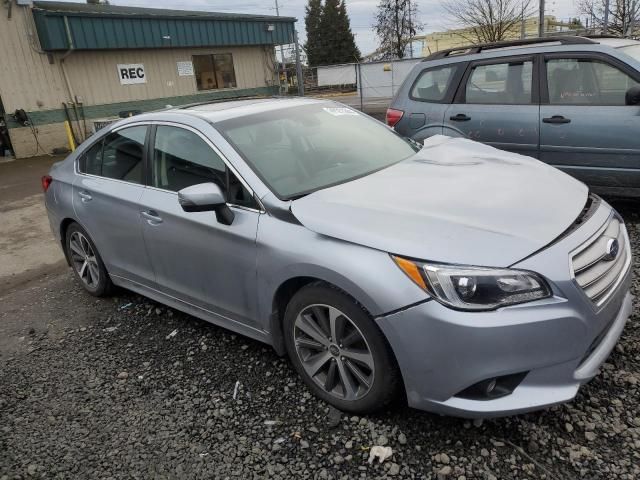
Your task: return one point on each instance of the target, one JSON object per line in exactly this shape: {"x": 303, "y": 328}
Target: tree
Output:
{"x": 396, "y": 24}
{"x": 620, "y": 14}
{"x": 313, "y": 45}
{"x": 487, "y": 21}
{"x": 329, "y": 36}
{"x": 349, "y": 51}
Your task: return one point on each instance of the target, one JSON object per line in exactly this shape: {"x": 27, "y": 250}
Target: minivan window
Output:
{"x": 300, "y": 149}
{"x": 182, "y": 158}
{"x": 119, "y": 155}
{"x": 433, "y": 84}
{"x": 586, "y": 81}
{"x": 500, "y": 83}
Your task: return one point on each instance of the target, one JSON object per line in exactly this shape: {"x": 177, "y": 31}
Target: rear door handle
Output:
{"x": 556, "y": 119}
{"x": 461, "y": 117}
{"x": 85, "y": 196}
{"x": 152, "y": 217}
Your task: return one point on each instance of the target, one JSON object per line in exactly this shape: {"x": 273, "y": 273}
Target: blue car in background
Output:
{"x": 572, "y": 102}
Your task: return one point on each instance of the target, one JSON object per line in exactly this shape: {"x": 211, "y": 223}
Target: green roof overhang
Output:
{"x": 65, "y": 26}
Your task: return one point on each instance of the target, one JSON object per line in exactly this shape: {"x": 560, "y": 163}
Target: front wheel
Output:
{"x": 339, "y": 352}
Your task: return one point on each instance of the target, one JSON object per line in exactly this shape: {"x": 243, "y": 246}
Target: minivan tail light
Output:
{"x": 393, "y": 116}
{"x": 46, "y": 181}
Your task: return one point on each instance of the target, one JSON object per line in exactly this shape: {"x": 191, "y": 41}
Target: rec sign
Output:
{"x": 131, "y": 73}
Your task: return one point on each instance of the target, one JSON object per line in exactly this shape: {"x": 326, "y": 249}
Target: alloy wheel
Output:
{"x": 84, "y": 260}
{"x": 333, "y": 352}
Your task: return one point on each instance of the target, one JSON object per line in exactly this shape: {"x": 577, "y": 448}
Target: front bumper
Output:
{"x": 556, "y": 344}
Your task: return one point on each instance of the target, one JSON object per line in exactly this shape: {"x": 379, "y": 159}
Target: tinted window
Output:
{"x": 299, "y": 149}
{"x": 181, "y": 159}
{"x": 123, "y": 153}
{"x": 91, "y": 161}
{"x": 432, "y": 85}
{"x": 574, "y": 81}
{"x": 501, "y": 83}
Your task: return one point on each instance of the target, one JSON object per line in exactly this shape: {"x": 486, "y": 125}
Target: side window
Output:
{"x": 91, "y": 161}
{"x": 585, "y": 81}
{"x": 500, "y": 83}
{"x": 432, "y": 84}
{"x": 123, "y": 153}
{"x": 181, "y": 159}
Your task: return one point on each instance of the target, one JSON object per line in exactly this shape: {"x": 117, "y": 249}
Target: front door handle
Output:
{"x": 152, "y": 217}
{"x": 461, "y": 117}
{"x": 556, "y": 119}
{"x": 85, "y": 196}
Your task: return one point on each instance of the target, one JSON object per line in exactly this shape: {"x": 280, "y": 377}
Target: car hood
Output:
{"x": 455, "y": 201}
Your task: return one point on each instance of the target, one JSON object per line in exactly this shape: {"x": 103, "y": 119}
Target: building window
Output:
{"x": 214, "y": 71}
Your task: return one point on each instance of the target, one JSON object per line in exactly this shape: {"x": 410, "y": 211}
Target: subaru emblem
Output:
{"x": 611, "y": 251}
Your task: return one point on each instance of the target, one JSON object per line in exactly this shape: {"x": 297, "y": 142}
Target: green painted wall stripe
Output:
{"x": 45, "y": 117}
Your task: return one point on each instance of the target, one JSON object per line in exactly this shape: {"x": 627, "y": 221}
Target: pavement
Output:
{"x": 124, "y": 387}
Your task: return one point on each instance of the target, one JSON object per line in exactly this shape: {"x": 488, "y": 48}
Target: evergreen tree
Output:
{"x": 312, "y": 25}
{"x": 335, "y": 40}
{"x": 349, "y": 51}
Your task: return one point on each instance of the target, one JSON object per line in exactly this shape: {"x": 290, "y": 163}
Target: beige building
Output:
{"x": 90, "y": 64}
{"x": 433, "y": 42}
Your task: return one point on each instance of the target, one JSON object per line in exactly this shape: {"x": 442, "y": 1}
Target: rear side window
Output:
{"x": 433, "y": 84}
{"x": 500, "y": 83}
{"x": 119, "y": 155}
{"x": 123, "y": 153}
{"x": 584, "y": 81}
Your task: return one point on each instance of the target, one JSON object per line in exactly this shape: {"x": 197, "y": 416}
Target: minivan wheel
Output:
{"x": 86, "y": 262}
{"x": 338, "y": 350}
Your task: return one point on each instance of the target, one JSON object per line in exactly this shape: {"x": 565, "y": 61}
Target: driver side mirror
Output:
{"x": 206, "y": 197}
{"x": 632, "y": 97}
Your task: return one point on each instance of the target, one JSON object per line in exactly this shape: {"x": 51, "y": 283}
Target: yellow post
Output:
{"x": 72, "y": 144}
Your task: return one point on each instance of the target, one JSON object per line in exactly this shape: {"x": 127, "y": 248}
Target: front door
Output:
{"x": 585, "y": 127}
{"x": 195, "y": 258}
{"x": 497, "y": 104}
{"x": 106, "y": 198}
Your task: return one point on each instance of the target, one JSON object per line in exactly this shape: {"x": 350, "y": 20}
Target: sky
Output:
{"x": 361, "y": 13}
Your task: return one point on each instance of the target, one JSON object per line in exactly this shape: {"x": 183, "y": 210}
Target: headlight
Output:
{"x": 474, "y": 288}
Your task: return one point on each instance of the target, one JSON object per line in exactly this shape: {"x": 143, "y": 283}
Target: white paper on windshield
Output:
{"x": 339, "y": 111}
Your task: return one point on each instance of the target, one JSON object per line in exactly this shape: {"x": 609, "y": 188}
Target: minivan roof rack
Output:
{"x": 471, "y": 49}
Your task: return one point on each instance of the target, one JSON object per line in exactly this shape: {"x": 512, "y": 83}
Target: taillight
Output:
{"x": 393, "y": 116}
{"x": 46, "y": 181}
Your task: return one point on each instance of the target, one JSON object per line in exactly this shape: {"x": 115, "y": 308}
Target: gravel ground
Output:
{"x": 125, "y": 388}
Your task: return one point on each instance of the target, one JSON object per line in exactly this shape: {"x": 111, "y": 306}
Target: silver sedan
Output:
{"x": 480, "y": 282}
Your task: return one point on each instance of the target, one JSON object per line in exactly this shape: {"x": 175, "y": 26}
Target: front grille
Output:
{"x": 595, "y": 269}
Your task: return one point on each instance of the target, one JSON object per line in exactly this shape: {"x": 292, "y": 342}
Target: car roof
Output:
{"x": 528, "y": 46}
{"x": 217, "y": 111}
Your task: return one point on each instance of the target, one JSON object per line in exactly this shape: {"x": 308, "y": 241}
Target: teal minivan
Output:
{"x": 572, "y": 102}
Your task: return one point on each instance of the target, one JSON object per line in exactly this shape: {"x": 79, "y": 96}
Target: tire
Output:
{"x": 360, "y": 354}
{"x": 86, "y": 262}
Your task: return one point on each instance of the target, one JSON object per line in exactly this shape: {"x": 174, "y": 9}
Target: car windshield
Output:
{"x": 632, "y": 50}
{"x": 298, "y": 150}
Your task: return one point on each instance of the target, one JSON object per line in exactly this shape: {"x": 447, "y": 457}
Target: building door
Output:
{"x": 5, "y": 141}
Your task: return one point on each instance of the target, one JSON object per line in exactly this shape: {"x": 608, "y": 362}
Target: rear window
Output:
{"x": 433, "y": 84}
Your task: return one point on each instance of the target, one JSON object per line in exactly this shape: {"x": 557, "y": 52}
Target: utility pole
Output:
{"x": 632, "y": 20}
{"x": 298, "y": 66}
{"x": 541, "y": 19}
{"x": 605, "y": 27}
{"x": 523, "y": 32}
{"x": 410, "y": 31}
{"x": 284, "y": 63}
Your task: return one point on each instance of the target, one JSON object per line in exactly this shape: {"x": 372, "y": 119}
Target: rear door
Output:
{"x": 586, "y": 129}
{"x": 498, "y": 103}
{"x": 427, "y": 100}
{"x": 106, "y": 196}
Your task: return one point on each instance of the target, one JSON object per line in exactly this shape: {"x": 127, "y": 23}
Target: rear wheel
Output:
{"x": 338, "y": 350}
{"x": 86, "y": 262}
